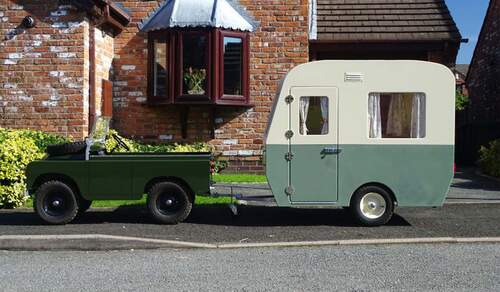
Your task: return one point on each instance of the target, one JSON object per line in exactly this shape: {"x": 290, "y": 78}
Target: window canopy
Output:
{"x": 199, "y": 13}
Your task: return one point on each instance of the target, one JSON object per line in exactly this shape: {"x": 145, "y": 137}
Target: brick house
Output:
{"x": 175, "y": 72}
{"x": 460, "y": 71}
{"x": 482, "y": 121}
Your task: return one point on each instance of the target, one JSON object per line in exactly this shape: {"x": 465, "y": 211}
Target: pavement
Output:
{"x": 472, "y": 211}
{"x": 442, "y": 267}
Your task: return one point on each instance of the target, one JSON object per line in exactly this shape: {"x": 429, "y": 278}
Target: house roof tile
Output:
{"x": 372, "y": 20}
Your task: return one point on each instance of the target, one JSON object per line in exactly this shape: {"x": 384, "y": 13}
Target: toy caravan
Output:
{"x": 369, "y": 135}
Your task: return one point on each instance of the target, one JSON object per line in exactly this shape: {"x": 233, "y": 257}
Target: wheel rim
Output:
{"x": 169, "y": 202}
{"x": 372, "y": 205}
{"x": 57, "y": 204}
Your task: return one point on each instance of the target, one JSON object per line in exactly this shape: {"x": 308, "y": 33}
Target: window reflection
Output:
{"x": 194, "y": 59}
{"x": 160, "y": 68}
{"x": 233, "y": 56}
{"x": 313, "y": 115}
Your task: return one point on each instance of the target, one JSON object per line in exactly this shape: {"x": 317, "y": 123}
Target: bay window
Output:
{"x": 198, "y": 66}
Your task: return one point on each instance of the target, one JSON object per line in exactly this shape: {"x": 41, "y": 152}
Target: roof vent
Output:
{"x": 353, "y": 77}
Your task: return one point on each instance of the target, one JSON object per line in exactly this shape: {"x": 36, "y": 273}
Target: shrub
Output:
{"x": 152, "y": 148}
{"x": 461, "y": 101}
{"x": 17, "y": 149}
{"x": 111, "y": 144}
{"x": 489, "y": 158}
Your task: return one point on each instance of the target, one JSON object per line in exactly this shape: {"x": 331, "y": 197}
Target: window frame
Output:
{"x": 425, "y": 120}
{"x": 168, "y": 38}
{"x": 214, "y": 59}
{"x": 245, "y": 80}
{"x": 301, "y": 133}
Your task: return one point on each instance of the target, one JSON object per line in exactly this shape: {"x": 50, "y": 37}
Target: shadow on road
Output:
{"x": 211, "y": 215}
{"x": 275, "y": 216}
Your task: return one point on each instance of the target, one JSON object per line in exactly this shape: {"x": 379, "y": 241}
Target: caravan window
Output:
{"x": 396, "y": 115}
{"x": 313, "y": 115}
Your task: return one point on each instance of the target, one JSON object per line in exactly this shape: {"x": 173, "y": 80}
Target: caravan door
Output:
{"x": 313, "y": 157}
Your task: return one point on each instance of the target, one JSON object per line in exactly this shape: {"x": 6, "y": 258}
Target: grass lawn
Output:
{"x": 220, "y": 178}
{"x": 239, "y": 178}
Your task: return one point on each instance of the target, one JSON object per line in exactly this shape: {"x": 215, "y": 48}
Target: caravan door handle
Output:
{"x": 331, "y": 150}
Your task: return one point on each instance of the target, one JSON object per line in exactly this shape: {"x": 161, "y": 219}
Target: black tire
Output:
{"x": 83, "y": 205}
{"x": 169, "y": 203}
{"x": 66, "y": 148}
{"x": 56, "y": 203}
{"x": 375, "y": 211}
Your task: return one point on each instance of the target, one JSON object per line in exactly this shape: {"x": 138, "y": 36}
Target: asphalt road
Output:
{"x": 345, "y": 268}
{"x": 261, "y": 224}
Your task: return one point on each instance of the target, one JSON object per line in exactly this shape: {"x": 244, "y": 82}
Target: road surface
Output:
{"x": 458, "y": 267}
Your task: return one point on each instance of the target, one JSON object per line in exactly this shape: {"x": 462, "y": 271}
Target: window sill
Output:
{"x": 227, "y": 103}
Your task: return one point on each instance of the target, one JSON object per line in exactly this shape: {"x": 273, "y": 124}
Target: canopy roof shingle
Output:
{"x": 199, "y": 13}
{"x": 383, "y": 20}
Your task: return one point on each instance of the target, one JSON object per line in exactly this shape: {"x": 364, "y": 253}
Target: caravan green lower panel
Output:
{"x": 418, "y": 175}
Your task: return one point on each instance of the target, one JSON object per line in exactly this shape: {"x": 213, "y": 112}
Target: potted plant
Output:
{"x": 194, "y": 79}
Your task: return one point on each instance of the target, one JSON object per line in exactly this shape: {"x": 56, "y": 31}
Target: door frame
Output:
{"x": 329, "y": 140}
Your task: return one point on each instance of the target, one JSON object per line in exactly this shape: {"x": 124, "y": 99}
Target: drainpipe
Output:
{"x": 313, "y": 19}
{"x": 92, "y": 69}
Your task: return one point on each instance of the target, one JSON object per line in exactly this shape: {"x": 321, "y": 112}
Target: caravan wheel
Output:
{"x": 372, "y": 206}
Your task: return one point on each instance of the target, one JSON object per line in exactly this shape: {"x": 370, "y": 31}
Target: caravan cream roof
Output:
{"x": 354, "y": 81}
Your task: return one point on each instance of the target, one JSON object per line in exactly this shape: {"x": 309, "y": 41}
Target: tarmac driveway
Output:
{"x": 215, "y": 224}
{"x": 469, "y": 185}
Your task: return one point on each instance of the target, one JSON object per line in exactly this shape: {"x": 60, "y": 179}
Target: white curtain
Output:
{"x": 304, "y": 110}
{"x": 375, "y": 115}
{"x": 324, "y": 115}
{"x": 399, "y": 117}
{"x": 418, "y": 116}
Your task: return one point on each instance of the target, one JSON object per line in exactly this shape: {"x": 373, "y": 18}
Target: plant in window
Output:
{"x": 194, "y": 79}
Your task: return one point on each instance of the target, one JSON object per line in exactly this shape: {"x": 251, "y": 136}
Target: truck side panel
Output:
{"x": 195, "y": 173}
{"x": 76, "y": 170}
{"x": 130, "y": 173}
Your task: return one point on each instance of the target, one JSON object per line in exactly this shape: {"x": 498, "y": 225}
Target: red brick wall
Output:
{"x": 279, "y": 44}
{"x": 42, "y": 69}
{"x": 484, "y": 75}
{"x": 482, "y": 115}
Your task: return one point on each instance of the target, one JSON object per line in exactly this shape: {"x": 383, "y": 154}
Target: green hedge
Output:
{"x": 158, "y": 148}
{"x": 155, "y": 148}
{"x": 19, "y": 147}
{"x": 489, "y": 158}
